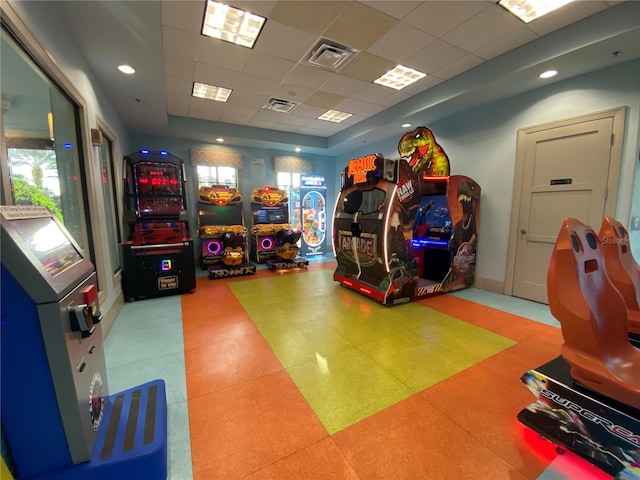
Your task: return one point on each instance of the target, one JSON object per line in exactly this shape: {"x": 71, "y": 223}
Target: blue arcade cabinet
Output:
{"x": 58, "y": 419}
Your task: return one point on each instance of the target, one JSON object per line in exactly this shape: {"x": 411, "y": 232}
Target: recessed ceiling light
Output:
{"x": 548, "y": 74}
{"x": 298, "y": 149}
{"x": 399, "y": 77}
{"x": 405, "y": 125}
{"x": 220, "y": 139}
{"x": 128, "y": 69}
{"x": 529, "y": 10}
{"x": 334, "y": 116}
{"x": 211, "y": 92}
{"x": 231, "y": 24}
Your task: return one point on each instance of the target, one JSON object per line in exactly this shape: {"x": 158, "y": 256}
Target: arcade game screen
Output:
{"x": 48, "y": 243}
{"x": 159, "y": 188}
{"x": 266, "y": 215}
{"x": 220, "y": 215}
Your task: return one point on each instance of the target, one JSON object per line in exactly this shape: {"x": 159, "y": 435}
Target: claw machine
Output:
{"x": 312, "y": 214}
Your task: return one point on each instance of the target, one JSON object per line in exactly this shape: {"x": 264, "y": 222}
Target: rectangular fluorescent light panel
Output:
{"x": 529, "y": 10}
{"x": 334, "y": 116}
{"x": 231, "y": 24}
{"x": 211, "y": 92}
{"x": 399, "y": 77}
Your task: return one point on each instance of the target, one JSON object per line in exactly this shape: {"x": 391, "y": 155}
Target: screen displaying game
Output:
{"x": 47, "y": 242}
{"x": 220, "y": 215}
{"x": 266, "y": 215}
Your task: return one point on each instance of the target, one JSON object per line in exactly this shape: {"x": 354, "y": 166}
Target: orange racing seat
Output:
{"x": 592, "y": 315}
{"x": 622, "y": 269}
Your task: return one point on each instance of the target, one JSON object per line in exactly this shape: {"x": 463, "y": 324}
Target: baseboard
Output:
{"x": 489, "y": 285}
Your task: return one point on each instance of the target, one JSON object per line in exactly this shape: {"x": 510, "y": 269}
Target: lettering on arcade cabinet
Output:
{"x": 361, "y": 249}
{"x": 359, "y": 167}
{"x": 405, "y": 191}
{"x": 167, "y": 283}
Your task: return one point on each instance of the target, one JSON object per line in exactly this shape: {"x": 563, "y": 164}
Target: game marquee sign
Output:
{"x": 358, "y": 168}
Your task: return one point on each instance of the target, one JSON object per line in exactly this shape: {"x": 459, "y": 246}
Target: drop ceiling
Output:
{"x": 473, "y": 52}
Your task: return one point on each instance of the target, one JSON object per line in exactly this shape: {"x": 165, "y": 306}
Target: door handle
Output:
{"x": 523, "y": 231}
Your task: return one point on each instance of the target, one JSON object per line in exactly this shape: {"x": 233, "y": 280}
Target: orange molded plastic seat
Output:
{"x": 593, "y": 316}
{"x": 621, "y": 267}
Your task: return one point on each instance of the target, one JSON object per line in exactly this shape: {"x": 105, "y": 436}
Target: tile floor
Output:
{"x": 287, "y": 375}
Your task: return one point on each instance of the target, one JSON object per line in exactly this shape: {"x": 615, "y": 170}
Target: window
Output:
{"x": 109, "y": 191}
{"x": 288, "y": 180}
{"x": 43, "y": 163}
{"x": 208, "y": 176}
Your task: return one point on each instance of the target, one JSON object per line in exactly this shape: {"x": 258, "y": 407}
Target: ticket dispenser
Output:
{"x": 56, "y": 411}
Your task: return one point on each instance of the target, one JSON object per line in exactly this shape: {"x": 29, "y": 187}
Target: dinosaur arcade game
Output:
{"x": 222, "y": 232}
{"x": 273, "y": 239}
{"x": 404, "y": 228}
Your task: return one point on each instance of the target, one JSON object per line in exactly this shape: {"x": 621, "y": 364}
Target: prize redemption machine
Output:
{"x": 58, "y": 419}
{"x": 307, "y": 205}
{"x": 404, "y": 229}
{"x": 273, "y": 240}
{"x": 159, "y": 258}
{"x": 222, "y": 232}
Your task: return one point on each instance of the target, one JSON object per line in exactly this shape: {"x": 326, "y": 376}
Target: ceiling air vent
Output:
{"x": 280, "y": 105}
{"x": 330, "y": 55}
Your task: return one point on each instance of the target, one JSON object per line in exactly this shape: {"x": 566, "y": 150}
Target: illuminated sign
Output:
{"x": 358, "y": 168}
{"x": 166, "y": 265}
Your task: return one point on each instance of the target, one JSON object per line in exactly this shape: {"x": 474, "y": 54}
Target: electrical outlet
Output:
{"x": 635, "y": 223}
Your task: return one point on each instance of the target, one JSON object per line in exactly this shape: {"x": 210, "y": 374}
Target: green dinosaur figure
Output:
{"x": 426, "y": 156}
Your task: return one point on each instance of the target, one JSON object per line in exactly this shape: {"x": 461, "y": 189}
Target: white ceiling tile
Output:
{"x": 240, "y": 110}
{"x": 394, "y": 8}
{"x": 295, "y": 93}
{"x": 220, "y": 77}
{"x": 313, "y": 17}
{"x": 265, "y": 65}
{"x": 178, "y": 104}
{"x": 434, "y": 57}
{"x": 291, "y": 119}
{"x": 422, "y": 84}
{"x": 184, "y": 15}
{"x": 308, "y": 76}
{"x": 358, "y": 107}
{"x": 259, "y": 7}
{"x": 474, "y": 34}
{"x": 236, "y": 116}
{"x": 179, "y": 44}
{"x": 205, "y": 109}
{"x": 246, "y": 99}
{"x": 257, "y": 85}
{"x": 309, "y": 111}
{"x": 400, "y": 42}
{"x": 458, "y": 67}
{"x": 367, "y": 67}
{"x": 282, "y": 41}
{"x": 179, "y": 68}
{"x": 359, "y": 26}
{"x": 268, "y": 116}
{"x": 372, "y": 93}
{"x": 506, "y": 43}
{"x": 439, "y": 17}
{"x": 345, "y": 86}
{"x": 213, "y": 51}
{"x": 395, "y": 97}
{"x": 178, "y": 85}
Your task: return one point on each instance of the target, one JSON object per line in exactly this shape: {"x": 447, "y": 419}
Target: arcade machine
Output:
{"x": 222, "y": 232}
{"x": 405, "y": 228}
{"x": 588, "y": 398}
{"x": 58, "y": 419}
{"x": 313, "y": 201}
{"x": 273, "y": 240}
{"x": 159, "y": 258}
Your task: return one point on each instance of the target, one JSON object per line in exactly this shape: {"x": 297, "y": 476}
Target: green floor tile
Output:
{"x": 352, "y": 357}
{"x": 346, "y": 387}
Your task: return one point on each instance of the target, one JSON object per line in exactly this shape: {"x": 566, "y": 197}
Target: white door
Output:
{"x": 566, "y": 172}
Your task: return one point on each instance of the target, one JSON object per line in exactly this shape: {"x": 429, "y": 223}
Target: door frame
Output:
{"x": 618, "y": 114}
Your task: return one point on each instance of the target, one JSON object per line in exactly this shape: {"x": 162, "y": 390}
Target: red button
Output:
{"x": 89, "y": 294}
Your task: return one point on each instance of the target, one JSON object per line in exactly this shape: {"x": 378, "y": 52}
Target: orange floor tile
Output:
{"x": 248, "y": 420}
